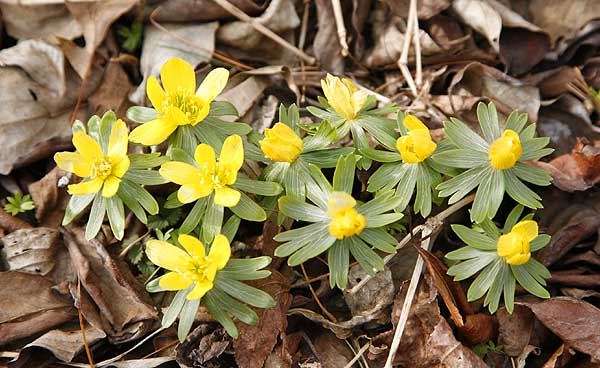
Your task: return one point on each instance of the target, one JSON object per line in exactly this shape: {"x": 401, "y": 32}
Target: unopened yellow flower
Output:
{"x": 506, "y": 150}
{"x": 104, "y": 171}
{"x": 345, "y": 219}
{"x": 189, "y": 266}
{"x": 178, "y": 103}
{"x": 417, "y": 145}
{"x": 343, "y": 96}
{"x": 281, "y": 143}
{"x": 515, "y": 245}
{"x": 211, "y": 176}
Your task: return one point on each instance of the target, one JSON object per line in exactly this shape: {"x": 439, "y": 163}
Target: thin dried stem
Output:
{"x": 417, "y": 42}
{"x": 238, "y": 13}
{"x": 358, "y": 355}
{"x": 88, "y": 352}
{"x": 133, "y": 243}
{"x": 312, "y": 291}
{"x": 341, "y": 27}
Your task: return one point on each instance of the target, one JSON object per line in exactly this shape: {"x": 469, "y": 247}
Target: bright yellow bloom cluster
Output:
{"x": 345, "y": 219}
{"x": 506, "y": 150}
{"x": 104, "y": 171}
{"x": 179, "y": 103}
{"x": 211, "y": 176}
{"x": 515, "y": 245}
{"x": 417, "y": 145}
{"x": 189, "y": 266}
{"x": 281, "y": 143}
{"x": 343, "y": 96}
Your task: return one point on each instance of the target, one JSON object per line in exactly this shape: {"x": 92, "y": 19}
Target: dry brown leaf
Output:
{"x": 246, "y": 90}
{"x": 562, "y": 18}
{"x": 50, "y": 200}
{"x": 112, "y": 94}
{"x": 331, "y": 351}
{"x": 515, "y": 329}
{"x": 425, "y": 9}
{"x": 28, "y": 306}
{"x": 159, "y": 46}
{"x": 482, "y": 17}
{"x": 575, "y": 321}
{"x": 376, "y": 294}
{"x": 205, "y": 343}
{"x": 31, "y": 250}
{"x": 326, "y": 45}
{"x": 202, "y": 10}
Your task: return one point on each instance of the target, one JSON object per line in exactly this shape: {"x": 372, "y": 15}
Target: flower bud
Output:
{"x": 515, "y": 245}
{"x": 506, "y": 150}
{"x": 417, "y": 145}
{"x": 343, "y": 96}
{"x": 345, "y": 219}
{"x": 281, "y": 143}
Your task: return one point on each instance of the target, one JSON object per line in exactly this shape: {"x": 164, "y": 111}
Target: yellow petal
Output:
{"x": 192, "y": 245}
{"x": 199, "y": 290}
{"x": 167, "y": 255}
{"x": 87, "y": 146}
{"x": 111, "y": 186}
{"x": 220, "y": 251}
{"x": 204, "y": 110}
{"x": 518, "y": 259}
{"x": 350, "y": 85}
{"x": 205, "y": 157}
{"x": 509, "y": 244}
{"x": 227, "y": 197}
{"x": 180, "y": 173}
{"x": 177, "y": 75}
{"x": 527, "y": 229}
{"x": 359, "y": 99}
{"x": 231, "y": 158}
{"x": 411, "y": 122}
{"x": 190, "y": 193}
{"x": 339, "y": 202}
{"x": 155, "y": 93}
{"x": 117, "y": 143}
{"x": 120, "y": 168}
{"x": 505, "y": 151}
{"x": 86, "y": 187}
{"x": 153, "y": 132}
{"x": 174, "y": 114}
{"x": 174, "y": 281}
{"x": 73, "y": 162}
{"x": 213, "y": 84}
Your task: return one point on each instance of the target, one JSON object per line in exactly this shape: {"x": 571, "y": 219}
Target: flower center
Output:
{"x": 188, "y": 103}
{"x": 101, "y": 168}
{"x": 197, "y": 270}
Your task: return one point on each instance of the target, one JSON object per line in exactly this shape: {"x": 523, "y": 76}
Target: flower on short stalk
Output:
{"x": 343, "y": 96}
{"x": 104, "y": 170}
{"x": 515, "y": 245}
{"x": 210, "y": 175}
{"x": 191, "y": 265}
{"x": 506, "y": 150}
{"x": 417, "y": 145}
{"x": 179, "y": 103}
{"x": 281, "y": 143}
{"x": 345, "y": 220}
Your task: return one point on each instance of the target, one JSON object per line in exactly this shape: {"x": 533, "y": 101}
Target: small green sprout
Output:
{"x": 19, "y": 203}
{"x": 131, "y": 37}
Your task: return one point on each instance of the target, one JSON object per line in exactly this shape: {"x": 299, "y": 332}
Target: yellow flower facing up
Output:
{"x": 178, "y": 103}
{"x": 103, "y": 171}
{"x": 211, "y": 175}
{"x": 417, "y": 146}
{"x": 281, "y": 143}
{"x": 515, "y": 245}
{"x": 345, "y": 219}
{"x": 343, "y": 96}
{"x": 189, "y": 266}
{"x": 506, "y": 150}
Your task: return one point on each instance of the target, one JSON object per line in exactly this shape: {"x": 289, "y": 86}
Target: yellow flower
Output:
{"x": 104, "y": 171}
{"x": 211, "y": 175}
{"x": 178, "y": 104}
{"x": 281, "y": 143}
{"x": 515, "y": 245}
{"x": 189, "y": 266}
{"x": 506, "y": 150}
{"x": 417, "y": 145}
{"x": 345, "y": 219}
{"x": 343, "y": 96}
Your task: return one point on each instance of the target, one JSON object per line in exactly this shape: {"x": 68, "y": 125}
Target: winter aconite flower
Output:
{"x": 210, "y": 175}
{"x": 281, "y": 143}
{"x": 191, "y": 266}
{"x": 102, "y": 170}
{"x": 179, "y": 103}
{"x": 515, "y": 245}
{"x": 345, "y": 220}
{"x": 506, "y": 150}
{"x": 417, "y": 146}
{"x": 343, "y": 96}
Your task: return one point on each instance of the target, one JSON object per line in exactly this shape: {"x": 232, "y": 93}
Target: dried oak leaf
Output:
{"x": 31, "y": 250}
{"x": 50, "y": 200}
{"x": 205, "y": 343}
{"x": 29, "y": 305}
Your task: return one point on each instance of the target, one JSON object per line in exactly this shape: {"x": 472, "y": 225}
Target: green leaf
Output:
{"x": 488, "y": 196}
{"x": 462, "y": 158}
{"x": 247, "y": 209}
{"x": 227, "y": 128}
{"x": 222, "y": 108}
{"x": 133, "y": 190}
{"x": 540, "y": 242}
{"x": 465, "y": 253}
{"x": 172, "y": 201}
{"x": 241, "y": 265}
{"x": 381, "y": 129}
{"x": 77, "y": 204}
{"x": 509, "y": 293}
{"x": 528, "y": 282}
{"x": 360, "y": 141}
{"x": 379, "y": 239}
{"x": 145, "y": 161}
{"x": 324, "y": 136}
{"x": 532, "y": 147}
{"x": 326, "y": 158}
{"x": 383, "y": 202}
{"x": 458, "y": 187}
{"x": 96, "y": 216}
{"x": 253, "y": 296}
{"x": 264, "y": 188}
{"x": 177, "y": 154}
{"x": 512, "y": 218}
{"x": 492, "y": 299}
{"x": 516, "y": 122}
{"x": 387, "y": 176}
{"x": 145, "y": 177}
{"x": 338, "y": 259}
{"x": 116, "y": 216}
{"x": 531, "y": 174}
{"x": 187, "y": 317}
{"x": 463, "y": 137}
{"x": 194, "y": 217}
{"x": 301, "y": 211}
{"x": 528, "y": 133}
{"x": 406, "y": 186}
{"x": 175, "y": 308}
{"x": 325, "y": 187}
{"x": 519, "y": 191}
{"x": 382, "y": 220}
{"x": 213, "y": 219}
{"x": 380, "y": 156}
{"x": 343, "y": 177}
{"x": 490, "y": 228}
{"x": 484, "y": 281}
{"x": 231, "y": 226}
{"x": 141, "y": 114}
{"x": 326, "y": 115}
{"x": 220, "y": 315}
{"x": 366, "y": 257}
{"x": 496, "y": 193}
{"x": 423, "y": 197}
{"x": 466, "y": 269}
{"x": 246, "y": 275}
{"x": 488, "y": 120}
{"x": 315, "y": 247}
{"x": 237, "y": 309}
{"x": 297, "y": 238}
{"x": 473, "y": 238}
